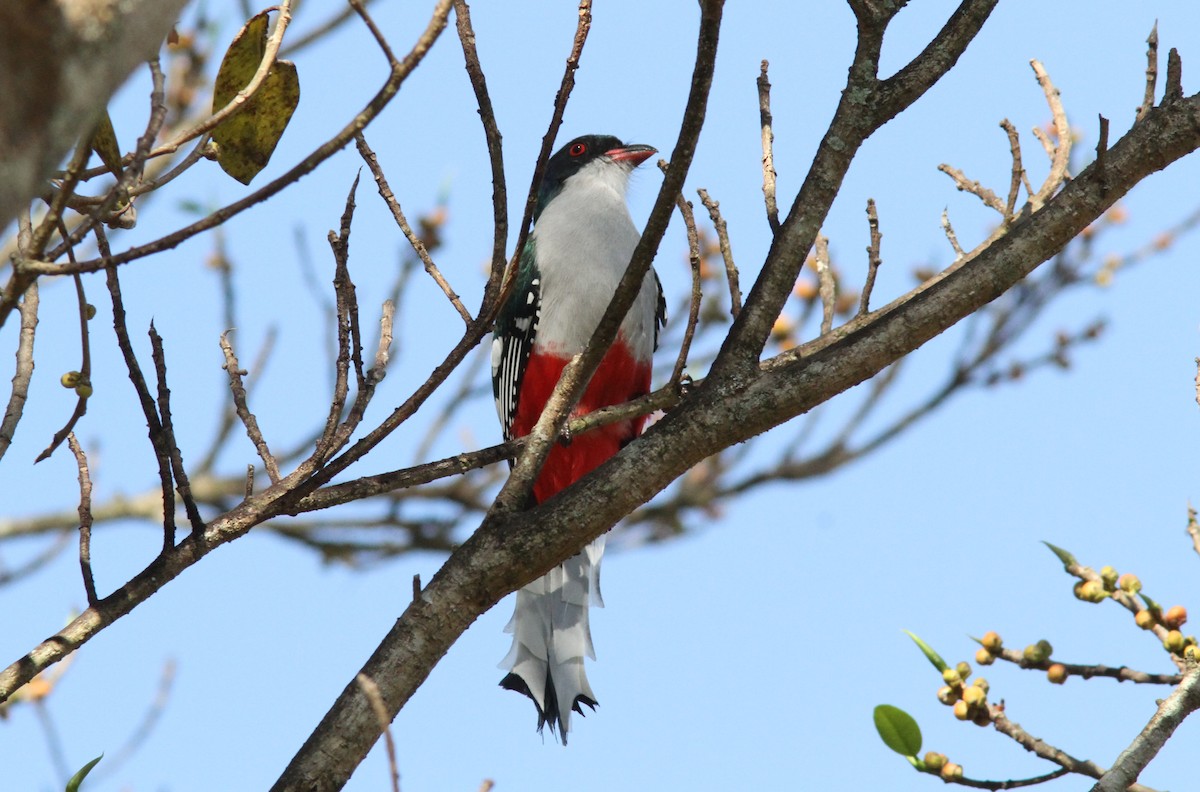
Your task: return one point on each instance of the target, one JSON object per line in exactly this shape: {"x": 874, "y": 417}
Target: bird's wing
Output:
{"x": 512, "y": 341}
{"x": 660, "y": 310}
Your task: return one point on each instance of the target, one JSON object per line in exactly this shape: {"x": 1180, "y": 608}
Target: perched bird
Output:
{"x": 580, "y": 247}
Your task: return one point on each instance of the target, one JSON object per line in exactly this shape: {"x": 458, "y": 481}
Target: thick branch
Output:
{"x": 512, "y": 549}
{"x": 867, "y": 103}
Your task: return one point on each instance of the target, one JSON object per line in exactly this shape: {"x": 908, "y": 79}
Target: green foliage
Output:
{"x": 77, "y": 779}
{"x": 1067, "y": 559}
{"x": 898, "y": 730}
{"x": 930, "y": 655}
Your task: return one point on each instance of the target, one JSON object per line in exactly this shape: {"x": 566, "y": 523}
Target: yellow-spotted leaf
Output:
{"x": 104, "y": 143}
{"x": 246, "y": 139}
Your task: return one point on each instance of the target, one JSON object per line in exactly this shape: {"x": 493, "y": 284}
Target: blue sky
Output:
{"x": 748, "y": 655}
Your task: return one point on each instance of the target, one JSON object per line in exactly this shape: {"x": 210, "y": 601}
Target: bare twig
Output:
{"x": 1101, "y": 154}
{"x": 689, "y": 224}
{"x": 1059, "y": 150}
{"x": 161, "y": 452}
{"x": 1090, "y": 671}
{"x": 466, "y": 34}
{"x": 873, "y": 258}
{"x": 1173, "y": 90}
{"x": 959, "y": 254}
{"x": 1011, "y": 783}
{"x": 28, "y": 309}
{"x": 349, "y": 337}
{"x": 243, "y": 411}
{"x": 229, "y": 416}
{"x": 1151, "y": 73}
{"x": 85, "y": 519}
{"x": 731, "y": 272}
{"x": 964, "y": 184}
{"x": 1044, "y": 750}
{"x": 768, "y": 140}
{"x": 389, "y": 198}
{"x": 1018, "y": 171}
{"x": 168, "y": 432}
{"x": 826, "y": 285}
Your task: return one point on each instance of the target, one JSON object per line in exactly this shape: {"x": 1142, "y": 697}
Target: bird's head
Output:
{"x": 598, "y": 155}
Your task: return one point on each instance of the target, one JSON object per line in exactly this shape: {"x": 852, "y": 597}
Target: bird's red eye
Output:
{"x": 578, "y": 149}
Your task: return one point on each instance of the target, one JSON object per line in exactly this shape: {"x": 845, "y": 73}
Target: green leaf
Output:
{"x": 930, "y": 655}
{"x": 1151, "y": 605}
{"x": 1067, "y": 559}
{"x": 898, "y": 730}
{"x": 104, "y": 143}
{"x": 77, "y": 779}
{"x": 246, "y": 139}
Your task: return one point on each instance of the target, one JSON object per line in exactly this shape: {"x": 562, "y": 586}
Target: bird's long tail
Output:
{"x": 551, "y": 636}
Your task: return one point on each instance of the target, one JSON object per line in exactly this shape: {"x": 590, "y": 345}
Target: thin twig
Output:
{"x": 1060, "y": 151}
{"x": 1018, "y": 171}
{"x": 1011, "y": 783}
{"x": 1044, "y": 750}
{"x": 1102, "y": 155}
{"x": 85, "y": 519}
{"x": 161, "y": 453}
{"x": 389, "y": 198}
{"x": 826, "y": 286}
{"x": 693, "y": 238}
{"x": 230, "y": 417}
{"x": 731, "y": 272}
{"x": 768, "y": 141}
{"x": 28, "y": 310}
{"x": 1173, "y": 90}
{"x": 466, "y": 35}
{"x": 1091, "y": 671}
{"x": 1151, "y": 73}
{"x": 959, "y": 254}
{"x": 168, "y": 432}
{"x": 964, "y": 184}
{"x": 873, "y": 258}
{"x": 239, "y": 402}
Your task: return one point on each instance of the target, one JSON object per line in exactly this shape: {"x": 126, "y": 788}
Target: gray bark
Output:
{"x": 60, "y": 62}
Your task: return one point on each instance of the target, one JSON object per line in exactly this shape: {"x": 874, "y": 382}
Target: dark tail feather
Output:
{"x": 551, "y": 716}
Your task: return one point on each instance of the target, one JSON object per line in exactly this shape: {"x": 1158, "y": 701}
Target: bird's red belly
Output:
{"x": 618, "y": 379}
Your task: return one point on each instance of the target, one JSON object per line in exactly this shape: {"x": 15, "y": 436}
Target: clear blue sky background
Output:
{"x": 750, "y": 654}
